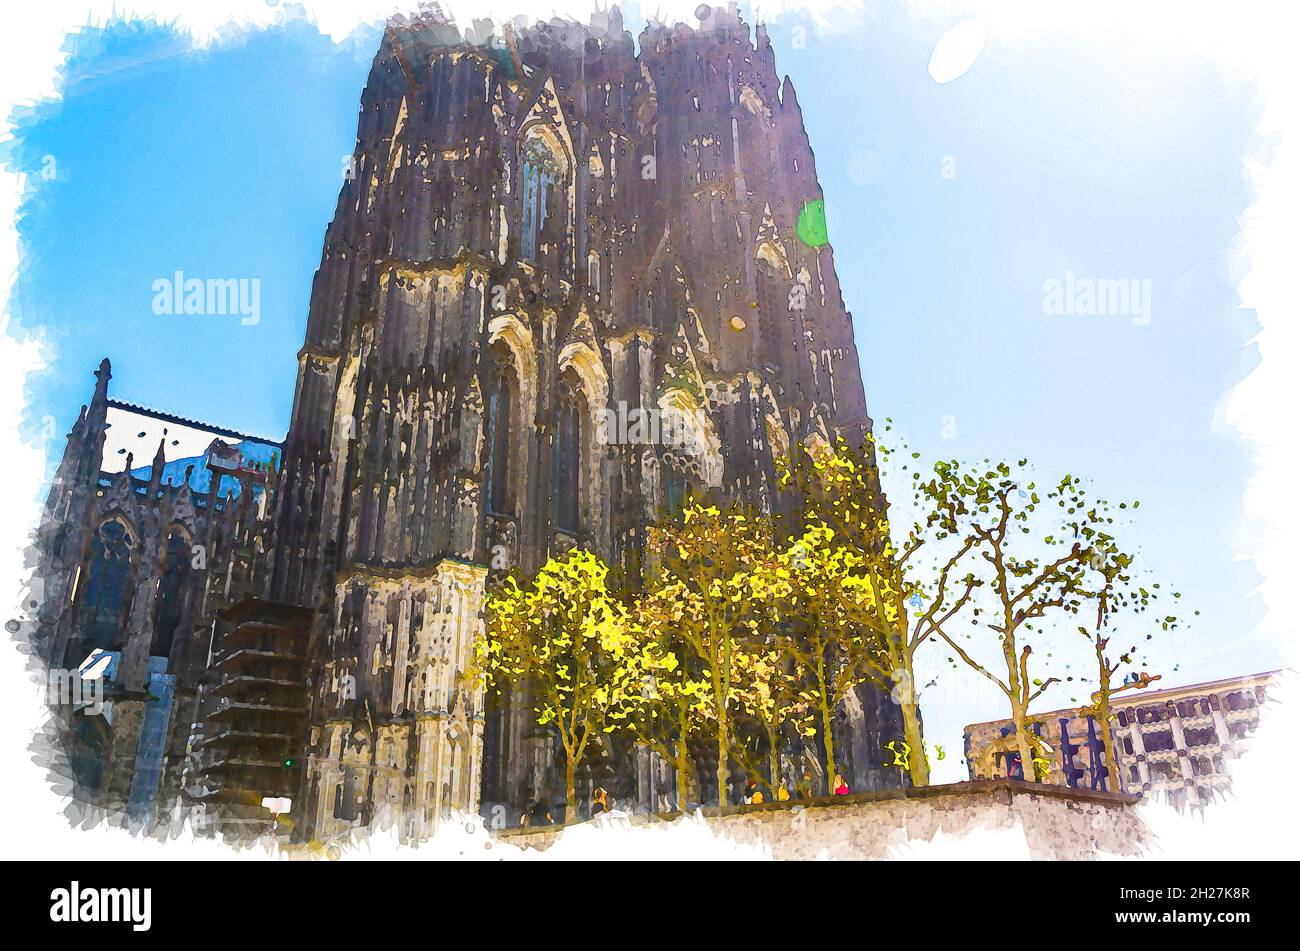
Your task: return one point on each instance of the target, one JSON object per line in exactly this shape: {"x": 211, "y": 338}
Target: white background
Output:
{"x": 1256, "y": 39}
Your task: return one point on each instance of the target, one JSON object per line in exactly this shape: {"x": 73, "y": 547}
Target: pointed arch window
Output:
{"x": 773, "y": 313}
{"x": 110, "y": 567}
{"x": 500, "y": 412}
{"x": 543, "y": 172}
{"x": 172, "y": 588}
{"x": 770, "y": 299}
{"x": 568, "y": 458}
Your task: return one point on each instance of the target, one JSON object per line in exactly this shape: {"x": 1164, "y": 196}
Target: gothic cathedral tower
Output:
{"x": 542, "y": 231}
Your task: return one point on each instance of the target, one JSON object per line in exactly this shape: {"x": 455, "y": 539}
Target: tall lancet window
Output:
{"x": 543, "y": 172}
{"x": 675, "y": 489}
{"x": 110, "y": 567}
{"x": 171, "y": 593}
{"x": 568, "y": 458}
{"x": 499, "y": 420}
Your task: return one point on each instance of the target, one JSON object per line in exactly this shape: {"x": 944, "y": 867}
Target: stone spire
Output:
{"x": 156, "y": 471}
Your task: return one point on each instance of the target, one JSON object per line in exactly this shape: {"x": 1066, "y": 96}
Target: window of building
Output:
{"x": 1241, "y": 700}
{"x": 773, "y": 310}
{"x": 499, "y": 422}
{"x": 106, "y": 585}
{"x": 1161, "y": 772}
{"x": 542, "y": 173}
{"x": 568, "y": 458}
{"x": 1155, "y": 742}
{"x": 171, "y": 593}
{"x": 1011, "y": 766}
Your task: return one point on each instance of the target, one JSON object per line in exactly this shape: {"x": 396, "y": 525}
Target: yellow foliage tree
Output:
{"x": 769, "y": 693}
{"x": 855, "y": 585}
{"x": 704, "y": 591}
{"x": 819, "y": 597}
{"x": 575, "y": 647}
{"x": 675, "y": 698}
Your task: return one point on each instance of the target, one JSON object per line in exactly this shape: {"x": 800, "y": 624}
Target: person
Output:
{"x": 599, "y": 801}
{"x": 841, "y": 787}
{"x": 540, "y": 814}
{"x": 804, "y": 788}
{"x": 782, "y": 794}
{"x": 753, "y": 795}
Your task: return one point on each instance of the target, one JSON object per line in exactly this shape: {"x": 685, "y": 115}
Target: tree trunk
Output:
{"x": 1019, "y": 694}
{"x": 918, "y": 766}
{"x": 724, "y": 759}
{"x": 1113, "y": 783}
{"x": 683, "y": 766}
{"x": 824, "y": 704}
{"x": 724, "y": 753}
{"x": 830, "y": 749}
{"x": 773, "y": 764}
{"x": 1026, "y": 749}
{"x": 570, "y": 792}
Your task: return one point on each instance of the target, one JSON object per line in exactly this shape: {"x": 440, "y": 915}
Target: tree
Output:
{"x": 770, "y": 695}
{"x": 573, "y": 644}
{"x": 816, "y": 585}
{"x": 704, "y": 589}
{"x": 1113, "y": 588}
{"x": 855, "y": 608}
{"x": 1030, "y": 579}
{"x": 675, "y": 698}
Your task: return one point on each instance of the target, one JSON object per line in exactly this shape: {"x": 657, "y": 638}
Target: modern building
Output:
{"x": 1175, "y": 743}
{"x": 542, "y": 229}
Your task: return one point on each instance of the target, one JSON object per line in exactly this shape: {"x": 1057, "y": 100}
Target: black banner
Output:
{"x": 225, "y": 902}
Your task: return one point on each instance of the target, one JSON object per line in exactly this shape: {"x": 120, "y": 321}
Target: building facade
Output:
{"x": 545, "y": 234}
{"x": 1174, "y": 744}
{"x": 134, "y": 563}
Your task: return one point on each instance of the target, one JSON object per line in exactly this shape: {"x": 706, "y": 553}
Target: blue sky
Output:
{"x": 1109, "y": 163}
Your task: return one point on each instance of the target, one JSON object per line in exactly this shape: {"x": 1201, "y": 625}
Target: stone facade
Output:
{"x": 545, "y": 229}
{"x": 569, "y": 277}
{"x": 134, "y": 564}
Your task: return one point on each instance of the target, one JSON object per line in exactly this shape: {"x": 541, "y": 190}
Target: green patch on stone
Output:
{"x": 811, "y": 226}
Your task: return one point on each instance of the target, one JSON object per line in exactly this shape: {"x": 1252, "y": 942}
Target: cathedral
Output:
{"x": 544, "y": 229}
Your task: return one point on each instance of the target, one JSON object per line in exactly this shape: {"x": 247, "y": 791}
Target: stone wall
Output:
{"x": 1057, "y": 823}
